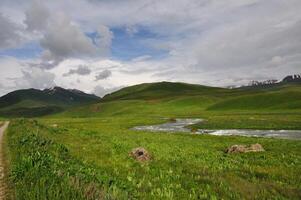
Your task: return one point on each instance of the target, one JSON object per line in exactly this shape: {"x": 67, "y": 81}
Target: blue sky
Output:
{"x": 125, "y": 46}
{"x": 26, "y": 51}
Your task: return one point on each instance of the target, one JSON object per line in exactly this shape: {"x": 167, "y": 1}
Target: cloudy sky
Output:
{"x": 101, "y": 45}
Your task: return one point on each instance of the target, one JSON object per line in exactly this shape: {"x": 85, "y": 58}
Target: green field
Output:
{"x": 83, "y": 153}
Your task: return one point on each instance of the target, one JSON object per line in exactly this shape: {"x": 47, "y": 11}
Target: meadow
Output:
{"x": 83, "y": 153}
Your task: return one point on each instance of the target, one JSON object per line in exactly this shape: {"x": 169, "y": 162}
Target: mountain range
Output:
{"x": 34, "y": 102}
{"x": 285, "y": 94}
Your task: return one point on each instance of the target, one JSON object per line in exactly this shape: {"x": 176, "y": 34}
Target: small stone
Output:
{"x": 140, "y": 154}
{"x": 245, "y": 148}
{"x": 256, "y": 147}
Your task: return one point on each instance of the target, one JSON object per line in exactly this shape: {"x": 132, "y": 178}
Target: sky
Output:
{"x": 99, "y": 46}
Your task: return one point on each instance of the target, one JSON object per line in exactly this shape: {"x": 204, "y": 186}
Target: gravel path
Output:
{"x": 3, "y": 185}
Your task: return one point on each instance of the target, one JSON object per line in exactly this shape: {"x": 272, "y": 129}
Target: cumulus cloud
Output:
{"x": 10, "y": 33}
{"x": 204, "y": 41}
{"x": 62, "y": 38}
{"x": 101, "y": 91}
{"x": 35, "y": 78}
{"x": 103, "y": 75}
{"x": 103, "y": 39}
{"x": 80, "y": 70}
{"x": 37, "y": 16}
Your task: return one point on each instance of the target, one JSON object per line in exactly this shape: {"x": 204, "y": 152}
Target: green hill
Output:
{"x": 33, "y": 102}
{"x": 181, "y": 99}
{"x": 166, "y": 98}
{"x": 278, "y": 97}
{"x": 148, "y": 91}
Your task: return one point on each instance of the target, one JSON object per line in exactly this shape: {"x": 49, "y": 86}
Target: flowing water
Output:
{"x": 180, "y": 125}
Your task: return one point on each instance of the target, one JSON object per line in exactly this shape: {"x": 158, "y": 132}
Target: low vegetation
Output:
{"x": 85, "y": 152}
{"x": 81, "y": 158}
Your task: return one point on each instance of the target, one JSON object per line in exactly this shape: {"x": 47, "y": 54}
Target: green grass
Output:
{"x": 268, "y": 101}
{"x": 247, "y": 120}
{"x": 95, "y": 151}
{"x": 30, "y": 111}
{"x": 83, "y": 153}
{"x": 160, "y": 90}
{"x": 44, "y": 169}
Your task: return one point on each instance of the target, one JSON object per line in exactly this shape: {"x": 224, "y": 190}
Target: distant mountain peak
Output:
{"x": 296, "y": 78}
{"x": 43, "y": 102}
{"x": 292, "y": 78}
{"x": 266, "y": 82}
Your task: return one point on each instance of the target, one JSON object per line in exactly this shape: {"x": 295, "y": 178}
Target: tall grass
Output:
{"x": 43, "y": 169}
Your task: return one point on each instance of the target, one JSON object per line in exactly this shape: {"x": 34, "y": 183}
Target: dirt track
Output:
{"x": 3, "y": 184}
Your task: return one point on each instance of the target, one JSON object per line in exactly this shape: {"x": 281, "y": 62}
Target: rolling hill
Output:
{"x": 160, "y": 90}
{"x": 180, "y": 99}
{"x": 33, "y": 102}
{"x": 171, "y": 98}
{"x": 281, "y": 96}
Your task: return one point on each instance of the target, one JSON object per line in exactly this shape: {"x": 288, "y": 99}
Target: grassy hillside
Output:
{"x": 149, "y": 98}
{"x": 83, "y": 153}
{"x": 268, "y": 101}
{"x": 285, "y": 97}
{"x": 275, "y": 97}
{"x": 32, "y": 102}
{"x": 160, "y": 90}
{"x": 178, "y": 99}
{"x": 183, "y": 166}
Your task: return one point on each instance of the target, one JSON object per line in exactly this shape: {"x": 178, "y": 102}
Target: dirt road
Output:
{"x": 3, "y": 185}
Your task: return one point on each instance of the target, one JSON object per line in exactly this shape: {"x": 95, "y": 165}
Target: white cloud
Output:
{"x": 9, "y": 33}
{"x": 10, "y": 68}
{"x": 37, "y": 16}
{"x": 35, "y": 78}
{"x": 63, "y": 39}
{"x": 16, "y": 76}
{"x": 141, "y": 58}
{"x": 80, "y": 70}
{"x": 103, "y": 39}
{"x": 103, "y": 75}
{"x": 208, "y": 41}
{"x": 101, "y": 91}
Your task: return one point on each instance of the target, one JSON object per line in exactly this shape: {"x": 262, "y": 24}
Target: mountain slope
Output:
{"x": 180, "y": 99}
{"x": 278, "y": 97}
{"x": 33, "y": 102}
{"x": 159, "y": 90}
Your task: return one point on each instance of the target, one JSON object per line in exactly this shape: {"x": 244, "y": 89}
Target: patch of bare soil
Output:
{"x": 245, "y": 148}
{"x": 3, "y": 182}
{"x": 140, "y": 154}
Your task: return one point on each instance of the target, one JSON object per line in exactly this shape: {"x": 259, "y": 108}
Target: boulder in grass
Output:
{"x": 245, "y": 148}
{"x": 140, "y": 154}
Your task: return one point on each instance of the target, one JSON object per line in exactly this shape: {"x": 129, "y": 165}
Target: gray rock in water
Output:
{"x": 245, "y": 148}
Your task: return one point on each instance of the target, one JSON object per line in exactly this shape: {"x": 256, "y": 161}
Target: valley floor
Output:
{"x": 83, "y": 153}
{"x": 88, "y": 157}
